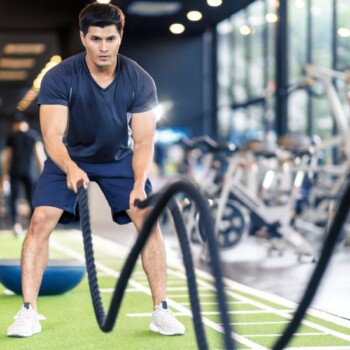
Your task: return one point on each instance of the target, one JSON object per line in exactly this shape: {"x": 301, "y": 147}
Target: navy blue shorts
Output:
{"x": 115, "y": 180}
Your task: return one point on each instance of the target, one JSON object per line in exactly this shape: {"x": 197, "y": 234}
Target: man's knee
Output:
{"x": 43, "y": 221}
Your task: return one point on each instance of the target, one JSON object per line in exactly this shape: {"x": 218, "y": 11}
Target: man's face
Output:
{"x": 102, "y": 45}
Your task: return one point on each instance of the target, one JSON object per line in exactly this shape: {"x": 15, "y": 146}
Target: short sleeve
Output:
{"x": 54, "y": 88}
{"x": 145, "y": 93}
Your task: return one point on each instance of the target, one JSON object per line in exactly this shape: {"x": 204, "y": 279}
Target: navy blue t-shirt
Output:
{"x": 98, "y": 129}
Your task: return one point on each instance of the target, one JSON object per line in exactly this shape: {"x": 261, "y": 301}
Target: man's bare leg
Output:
{"x": 35, "y": 251}
{"x": 153, "y": 257}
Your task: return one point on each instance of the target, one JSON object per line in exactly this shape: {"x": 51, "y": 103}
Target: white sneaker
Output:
{"x": 164, "y": 322}
{"x": 26, "y": 323}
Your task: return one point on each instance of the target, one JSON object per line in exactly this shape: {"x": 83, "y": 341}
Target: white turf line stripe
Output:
{"x": 60, "y": 247}
{"x": 334, "y": 347}
{"x": 279, "y": 334}
{"x": 187, "y": 296}
{"x": 215, "y": 303}
{"x": 182, "y": 289}
{"x": 111, "y": 290}
{"x": 258, "y": 323}
{"x": 143, "y": 279}
{"x": 208, "y": 313}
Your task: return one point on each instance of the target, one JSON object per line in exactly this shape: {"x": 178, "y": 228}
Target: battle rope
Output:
{"x": 326, "y": 253}
{"x": 106, "y": 322}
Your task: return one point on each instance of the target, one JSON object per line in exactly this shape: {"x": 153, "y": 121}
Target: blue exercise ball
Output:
{"x": 59, "y": 277}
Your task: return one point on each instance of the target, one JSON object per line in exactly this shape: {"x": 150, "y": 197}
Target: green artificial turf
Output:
{"x": 257, "y": 320}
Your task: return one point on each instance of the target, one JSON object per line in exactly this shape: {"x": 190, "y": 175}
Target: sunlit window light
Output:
{"x": 225, "y": 27}
{"x": 270, "y": 175}
{"x": 214, "y": 3}
{"x": 299, "y": 179}
{"x": 194, "y": 16}
{"x": 245, "y": 30}
{"x": 344, "y": 32}
{"x": 177, "y": 28}
{"x": 299, "y": 3}
{"x": 159, "y": 111}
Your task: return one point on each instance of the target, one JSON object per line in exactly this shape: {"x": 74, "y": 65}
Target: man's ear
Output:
{"x": 82, "y": 38}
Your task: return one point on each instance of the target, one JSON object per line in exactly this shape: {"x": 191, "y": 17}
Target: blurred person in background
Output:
{"x": 23, "y": 148}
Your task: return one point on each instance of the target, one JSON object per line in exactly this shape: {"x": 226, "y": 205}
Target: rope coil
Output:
{"x": 107, "y": 322}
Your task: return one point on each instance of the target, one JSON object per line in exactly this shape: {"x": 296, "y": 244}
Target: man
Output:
{"x": 23, "y": 145}
{"x": 98, "y": 122}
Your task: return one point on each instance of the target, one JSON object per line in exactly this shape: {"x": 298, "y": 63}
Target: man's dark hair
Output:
{"x": 101, "y": 15}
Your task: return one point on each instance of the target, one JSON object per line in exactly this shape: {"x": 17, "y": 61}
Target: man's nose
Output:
{"x": 103, "y": 45}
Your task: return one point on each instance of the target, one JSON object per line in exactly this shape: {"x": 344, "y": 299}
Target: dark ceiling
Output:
{"x": 54, "y": 23}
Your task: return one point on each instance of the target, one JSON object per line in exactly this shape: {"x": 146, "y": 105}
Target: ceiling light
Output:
{"x": 24, "y": 49}
{"x": 103, "y": 1}
{"x": 177, "y": 28}
{"x": 17, "y": 63}
{"x": 13, "y": 75}
{"x": 344, "y": 32}
{"x": 214, "y": 3}
{"x": 194, "y": 16}
{"x": 152, "y": 8}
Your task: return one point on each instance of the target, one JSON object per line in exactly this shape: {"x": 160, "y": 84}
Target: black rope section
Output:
{"x": 159, "y": 202}
{"x": 326, "y": 253}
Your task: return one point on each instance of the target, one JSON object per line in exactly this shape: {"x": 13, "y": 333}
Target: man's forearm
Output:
{"x": 58, "y": 153}
{"x": 142, "y": 161}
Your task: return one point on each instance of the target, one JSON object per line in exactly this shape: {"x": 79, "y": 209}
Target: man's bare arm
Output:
{"x": 143, "y": 127}
{"x": 53, "y": 122}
